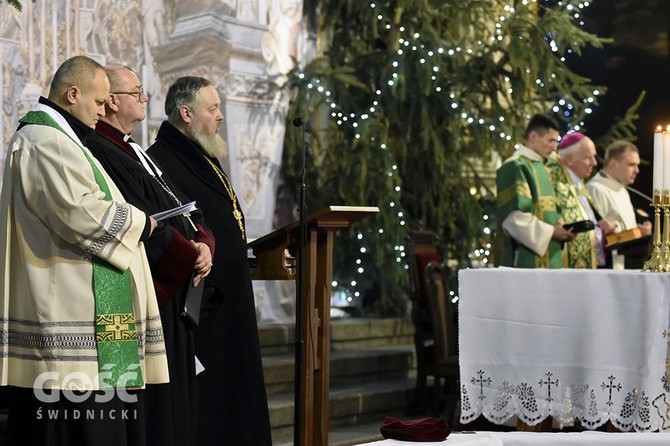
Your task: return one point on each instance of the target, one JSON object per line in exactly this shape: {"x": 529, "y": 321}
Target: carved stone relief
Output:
{"x": 242, "y": 46}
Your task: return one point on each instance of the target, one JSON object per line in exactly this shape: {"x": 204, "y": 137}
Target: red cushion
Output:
{"x": 424, "y": 429}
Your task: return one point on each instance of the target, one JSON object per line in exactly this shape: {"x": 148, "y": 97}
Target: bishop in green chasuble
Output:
{"x": 580, "y": 252}
{"x": 568, "y": 169}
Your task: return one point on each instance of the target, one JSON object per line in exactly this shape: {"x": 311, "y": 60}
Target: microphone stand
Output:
{"x": 637, "y": 192}
{"x": 299, "y": 341}
{"x": 630, "y": 188}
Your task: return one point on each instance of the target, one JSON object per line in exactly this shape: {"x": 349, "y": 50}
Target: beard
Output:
{"x": 212, "y": 143}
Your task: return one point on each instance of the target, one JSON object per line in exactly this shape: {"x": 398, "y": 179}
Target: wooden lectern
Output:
{"x": 635, "y": 247}
{"x": 272, "y": 264}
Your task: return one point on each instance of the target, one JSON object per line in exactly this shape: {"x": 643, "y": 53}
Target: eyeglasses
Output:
{"x": 140, "y": 94}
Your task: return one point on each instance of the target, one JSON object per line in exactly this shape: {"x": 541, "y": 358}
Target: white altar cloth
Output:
{"x": 587, "y": 344}
{"x": 540, "y": 439}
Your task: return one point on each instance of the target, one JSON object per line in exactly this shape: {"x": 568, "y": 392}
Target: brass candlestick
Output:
{"x": 658, "y": 260}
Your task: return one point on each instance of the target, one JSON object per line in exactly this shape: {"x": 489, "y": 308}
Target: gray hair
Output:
{"x": 573, "y": 149}
{"x": 114, "y": 72}
{"x": 183, "y": 92}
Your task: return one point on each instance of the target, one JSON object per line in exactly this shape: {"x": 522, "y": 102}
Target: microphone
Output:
{"x": 630, "y": 188}
{"x": 635, "y": 191}
{"x": 299, "y": 316}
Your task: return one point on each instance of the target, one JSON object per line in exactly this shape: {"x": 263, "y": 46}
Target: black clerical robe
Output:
{"x": 171, "y": 409}
{"x": 232, "y": 402}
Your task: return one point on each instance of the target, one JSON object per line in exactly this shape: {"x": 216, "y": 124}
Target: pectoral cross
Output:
{"x": 187, "y": 215}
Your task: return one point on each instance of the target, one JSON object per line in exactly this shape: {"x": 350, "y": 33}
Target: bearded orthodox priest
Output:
{"x": 231, "y": 389}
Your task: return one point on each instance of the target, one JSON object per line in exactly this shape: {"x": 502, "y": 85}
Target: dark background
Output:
{"x": 638, "y": 60}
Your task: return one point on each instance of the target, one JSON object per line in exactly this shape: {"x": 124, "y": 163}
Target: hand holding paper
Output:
{"x": 179, "y": 210}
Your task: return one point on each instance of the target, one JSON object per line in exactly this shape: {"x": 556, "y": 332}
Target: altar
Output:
{"x": 572, "y": 344}
{"x": 540, "y": 439}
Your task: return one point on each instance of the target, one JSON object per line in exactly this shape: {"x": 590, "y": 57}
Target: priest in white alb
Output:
{"x": 610, "y": 194}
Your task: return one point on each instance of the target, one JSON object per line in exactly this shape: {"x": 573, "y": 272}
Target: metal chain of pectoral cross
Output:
{"x": 229, "y": 188}
{"x": 156, "y": 174}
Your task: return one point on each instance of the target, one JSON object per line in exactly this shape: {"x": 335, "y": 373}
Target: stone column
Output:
{"x": 209, "y": 40}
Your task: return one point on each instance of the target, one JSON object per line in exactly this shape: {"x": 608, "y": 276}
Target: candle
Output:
{"x": 666, "y": 161}
{"x": 658, "y": 161}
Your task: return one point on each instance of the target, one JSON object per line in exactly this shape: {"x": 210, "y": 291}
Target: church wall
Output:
{"x": 243, "y": 46}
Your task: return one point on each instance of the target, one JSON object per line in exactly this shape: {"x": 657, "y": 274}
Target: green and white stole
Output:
{"x": 115, "y": 333}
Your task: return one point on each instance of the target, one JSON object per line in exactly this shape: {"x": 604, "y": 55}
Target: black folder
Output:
{"x": 193, "y": 300}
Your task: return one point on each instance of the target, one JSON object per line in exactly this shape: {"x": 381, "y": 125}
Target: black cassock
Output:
{"x": 170, "y": 409}
{"x": 231, "y": 390}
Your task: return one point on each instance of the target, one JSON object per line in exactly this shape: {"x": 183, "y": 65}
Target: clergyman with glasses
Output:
{"x": 179, "y": 251}
{"x": 530, "y": 232}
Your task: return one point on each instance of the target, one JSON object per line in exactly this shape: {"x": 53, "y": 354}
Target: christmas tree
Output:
{"x": 410, "y": 105}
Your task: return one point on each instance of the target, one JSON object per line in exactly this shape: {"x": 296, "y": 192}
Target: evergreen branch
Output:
{"x": 422, "y": 92}
{"x": 16, "y": 4}
{"x": 625, "y": 128}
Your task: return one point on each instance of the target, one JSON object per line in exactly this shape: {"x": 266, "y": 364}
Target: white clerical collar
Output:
{"x": 143, "y": 157}
{"x": 610, "y": 181}
{"x": 529, "y": 153}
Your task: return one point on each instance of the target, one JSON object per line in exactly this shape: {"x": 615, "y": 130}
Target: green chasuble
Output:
{"x": 581, "y": 252}
{"x": 523, "y": 185}
{"x": 115, "y": 332}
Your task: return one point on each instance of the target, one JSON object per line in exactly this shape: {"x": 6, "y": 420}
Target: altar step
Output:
{"x": 372, "y": 372}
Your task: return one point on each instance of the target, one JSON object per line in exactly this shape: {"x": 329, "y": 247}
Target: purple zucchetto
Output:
{"x": 570, "y": 140}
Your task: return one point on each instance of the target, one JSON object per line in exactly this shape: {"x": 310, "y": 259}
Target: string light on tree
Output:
{"x": 411, "y": 49}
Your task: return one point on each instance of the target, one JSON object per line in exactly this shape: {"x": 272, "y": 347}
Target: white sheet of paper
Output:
{"x": 199, "y": 368}
{"x": 179, "y": 210}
